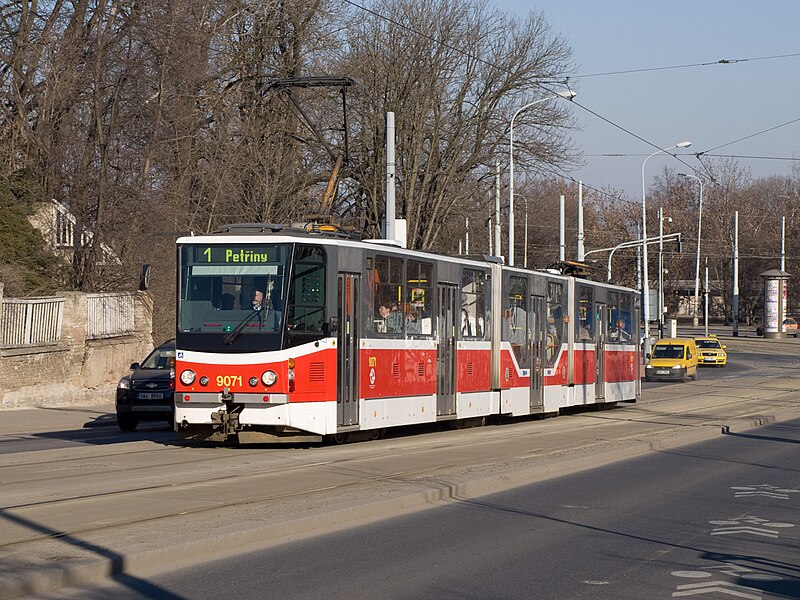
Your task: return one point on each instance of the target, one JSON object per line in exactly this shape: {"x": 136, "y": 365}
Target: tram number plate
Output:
{"x": 662, "y": 372}
{"x": 150, "y": 396}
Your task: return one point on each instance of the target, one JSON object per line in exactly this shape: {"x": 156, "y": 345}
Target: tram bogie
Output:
{"x": 285, "y": 335}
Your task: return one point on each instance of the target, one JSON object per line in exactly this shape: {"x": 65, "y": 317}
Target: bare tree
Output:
{"x": 452, "y": 72}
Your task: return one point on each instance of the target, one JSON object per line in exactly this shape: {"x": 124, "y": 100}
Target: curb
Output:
{"x": 42, "y": 580}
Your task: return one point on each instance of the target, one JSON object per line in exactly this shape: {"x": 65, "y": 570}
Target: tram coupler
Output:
{"x": 226, "y": 419}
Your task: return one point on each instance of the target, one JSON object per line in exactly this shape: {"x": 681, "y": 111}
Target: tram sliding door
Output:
{"x": 600, "y": 352}
{"x": 537, "y": 332}
{"x": 446, "y": 354}
{"x": 347, "y": 368}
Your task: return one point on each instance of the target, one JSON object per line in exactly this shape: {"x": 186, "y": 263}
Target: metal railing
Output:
{"x": 31, "y": 321}
{"x": 37, "y": 321}
{"x": 109, "y": 315}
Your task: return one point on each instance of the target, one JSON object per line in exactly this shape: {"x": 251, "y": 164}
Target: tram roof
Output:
{"x": 254, "y": 233}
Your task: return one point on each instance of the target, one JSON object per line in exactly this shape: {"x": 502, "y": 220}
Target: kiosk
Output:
{"x": 775, "y": 294}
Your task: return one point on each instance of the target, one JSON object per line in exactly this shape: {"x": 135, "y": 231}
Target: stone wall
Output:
{"x": 77, "y": 371}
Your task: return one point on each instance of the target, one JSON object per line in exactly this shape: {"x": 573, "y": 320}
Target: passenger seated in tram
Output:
{"x": 391, "y": 320}
{"x": 413, "y": 324}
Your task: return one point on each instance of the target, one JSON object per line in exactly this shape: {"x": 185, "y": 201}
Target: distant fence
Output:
{"x": 31, "y": 321}
{"x": 109, "y": 315}
{"x": 37, "y": 321}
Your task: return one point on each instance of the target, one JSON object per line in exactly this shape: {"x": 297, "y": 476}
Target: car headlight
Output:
{"x": 269, "y": 378}
{"x": 678, "y": 367}
{"x": 649, "y": 367}
{"x": 187, "y": 377}
{"x": 124, "y": 384}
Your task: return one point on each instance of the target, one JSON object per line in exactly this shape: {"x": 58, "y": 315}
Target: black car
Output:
{"x": 147, "y": 393}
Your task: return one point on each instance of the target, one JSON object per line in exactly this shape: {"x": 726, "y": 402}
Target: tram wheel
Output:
{"x": 469, "y": 423}
{"x": 376, "y": 434}
{"x": 339, "y": 438}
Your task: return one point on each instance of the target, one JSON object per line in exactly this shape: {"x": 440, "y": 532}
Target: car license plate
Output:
{"x": 709, "y": 359}
{"x": 150, "y": 396}
{"x": 662, "y": 372}
{"x": 150, "y": 408}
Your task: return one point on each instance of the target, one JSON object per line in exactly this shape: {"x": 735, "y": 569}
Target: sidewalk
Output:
{"x": 39, "y": 420}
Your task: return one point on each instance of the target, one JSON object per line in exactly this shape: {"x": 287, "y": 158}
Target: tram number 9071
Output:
{"x": 229, "y": 380}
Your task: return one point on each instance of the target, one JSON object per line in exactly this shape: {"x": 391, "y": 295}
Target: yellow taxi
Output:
{"x": 672, "y": 359}
{"x": 711, "y": 351}
{"x": 790, "y": 326}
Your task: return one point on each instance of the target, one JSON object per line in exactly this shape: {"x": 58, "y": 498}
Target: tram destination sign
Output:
{"x": 229, "y": 254}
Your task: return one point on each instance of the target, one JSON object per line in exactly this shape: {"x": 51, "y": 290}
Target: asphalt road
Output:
{"x": 720, "y": 515}
{"x": 80, "y": 500}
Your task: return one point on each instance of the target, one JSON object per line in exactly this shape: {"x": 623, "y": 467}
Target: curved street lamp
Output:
{"x": 566, "y": 94}
{"x": 695, "y": 316}
{"x": 645, "y": 280}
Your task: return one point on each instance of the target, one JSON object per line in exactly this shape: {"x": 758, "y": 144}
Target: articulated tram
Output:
{"x": 302, "y": 335}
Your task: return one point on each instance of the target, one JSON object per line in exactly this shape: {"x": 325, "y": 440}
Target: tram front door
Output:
{"x": 347, "y": 337}
{"x": 446, "y": 352}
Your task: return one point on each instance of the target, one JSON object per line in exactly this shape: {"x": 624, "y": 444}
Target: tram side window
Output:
{"x": 473, "y": 304}
{"x": 625, "y": 320}
{"x": 387, "y": 313}
{"x": 306, "y": 317}
{"x": 555, "y": 321}
{"x": 419, "y": 294}
{"x": 585, "y": 330}
{"x": 516, "y": 318}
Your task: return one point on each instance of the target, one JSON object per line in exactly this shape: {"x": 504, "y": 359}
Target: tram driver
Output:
{"x": 258, "y": 300}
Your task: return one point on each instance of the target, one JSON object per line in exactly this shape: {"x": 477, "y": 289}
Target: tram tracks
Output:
{"x": 242, "y": 458}
{"x": 350, "y": 464}
{"x": 361, "y": 479}
{"x": 343, "y": 469}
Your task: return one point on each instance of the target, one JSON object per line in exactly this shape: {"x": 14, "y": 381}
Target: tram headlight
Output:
{"x": 253, "y": 381}
{"x": 269, "y": 378}
{"x": 188, "y": 377}
{"x": 204, "y": 381}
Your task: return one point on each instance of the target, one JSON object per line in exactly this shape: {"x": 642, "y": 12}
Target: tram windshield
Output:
{"x": 233, "y": 295}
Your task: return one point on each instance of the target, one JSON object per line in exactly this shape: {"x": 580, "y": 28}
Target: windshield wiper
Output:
{"x": 237, "y": 331}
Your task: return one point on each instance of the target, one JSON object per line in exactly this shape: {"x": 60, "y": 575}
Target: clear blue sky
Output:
{"x": 709, "y": 105}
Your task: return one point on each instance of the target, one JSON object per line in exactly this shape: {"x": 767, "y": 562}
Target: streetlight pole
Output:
{"x": 645, "y": 281}
{"x": 567, "y": 94}
{"x": 525, "y": 247}
{"x": 661, "y": 219}
{"x": 696, "y": 308}
{"x": 637, "y": 243}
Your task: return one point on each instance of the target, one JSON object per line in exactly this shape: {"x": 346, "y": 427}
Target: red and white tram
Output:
{"x": 286, "y": 334}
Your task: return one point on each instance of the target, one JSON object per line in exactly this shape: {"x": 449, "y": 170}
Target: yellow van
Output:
{"x": 672, "y": 359}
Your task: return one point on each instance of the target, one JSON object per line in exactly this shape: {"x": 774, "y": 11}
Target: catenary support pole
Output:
{"x": 735, "y": 303}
